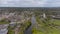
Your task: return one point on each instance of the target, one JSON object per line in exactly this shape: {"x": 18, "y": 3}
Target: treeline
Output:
{"x": 30, "y": 9}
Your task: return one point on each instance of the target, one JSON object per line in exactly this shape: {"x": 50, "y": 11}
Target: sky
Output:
{"x": 29, "y": 3}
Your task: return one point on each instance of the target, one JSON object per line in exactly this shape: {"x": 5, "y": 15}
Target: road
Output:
{"x": 3, "y": 29}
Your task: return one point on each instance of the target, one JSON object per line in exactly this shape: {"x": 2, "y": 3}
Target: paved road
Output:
{"x": 29, "y": 30}
{"x": 3, "y": 29}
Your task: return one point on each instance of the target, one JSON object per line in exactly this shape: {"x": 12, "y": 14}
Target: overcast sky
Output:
{"x": 29, "y": 3}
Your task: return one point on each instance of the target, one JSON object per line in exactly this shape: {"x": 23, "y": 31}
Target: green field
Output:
{"x": 4, "y": 21}
{"x": 51, "y": 26}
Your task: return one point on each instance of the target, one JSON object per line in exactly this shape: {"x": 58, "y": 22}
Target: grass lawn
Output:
{"x": 11, "y": 30}
{"x": 4, "y": 21}
{"x": 45, "y": 28}
{"x": 56, "y": 22}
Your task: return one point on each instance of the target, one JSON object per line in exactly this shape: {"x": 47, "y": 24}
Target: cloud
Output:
{"x": 52, "y": 3}
{"x": 29, "y": 3}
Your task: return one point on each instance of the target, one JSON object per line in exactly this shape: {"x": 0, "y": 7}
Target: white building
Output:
{"x": 44, "y": 15}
